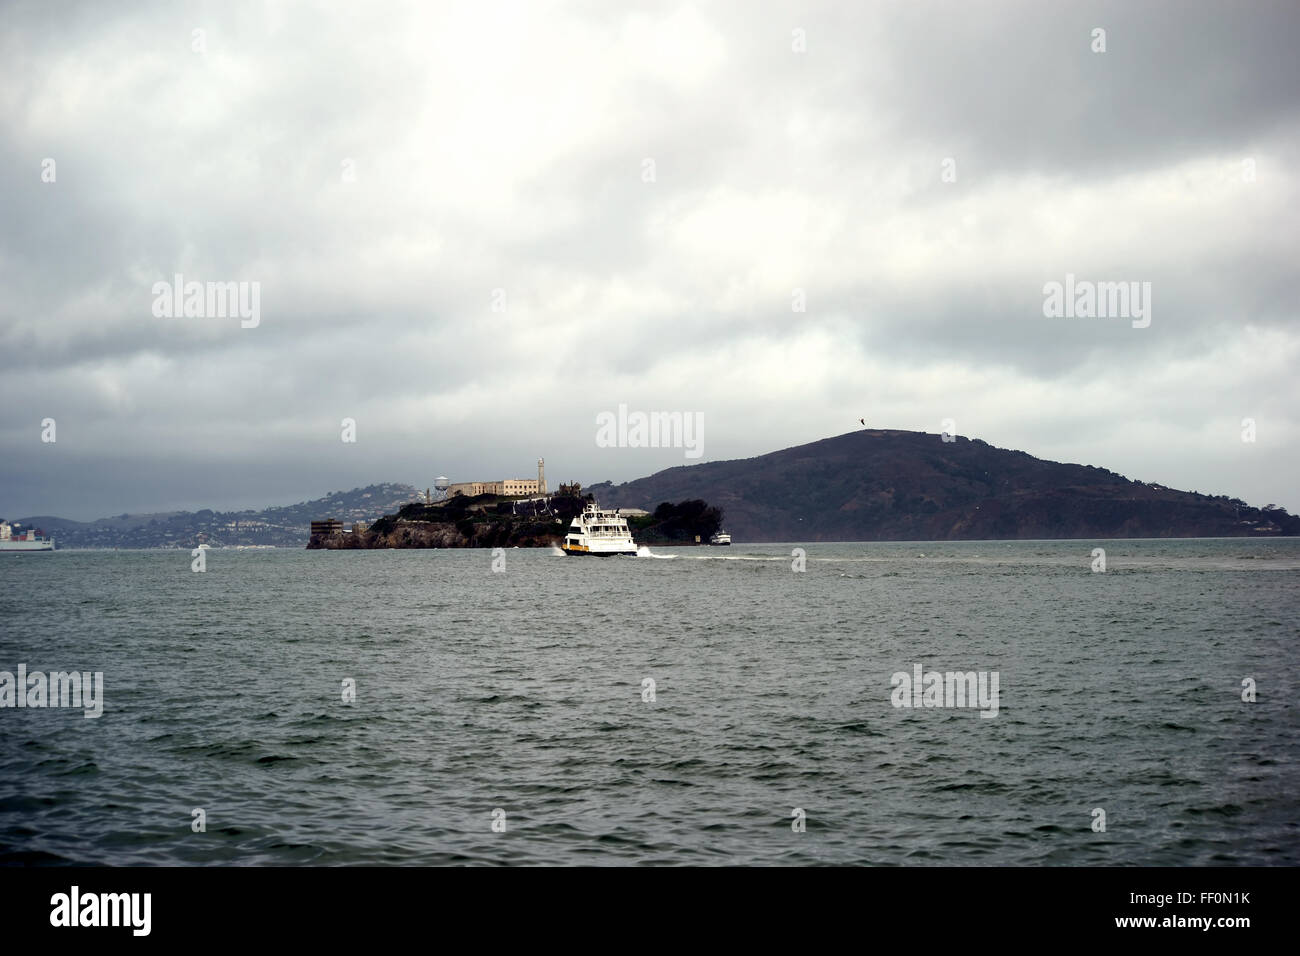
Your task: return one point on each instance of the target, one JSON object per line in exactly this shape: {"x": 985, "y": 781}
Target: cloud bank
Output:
{"x": 476, "y": 227}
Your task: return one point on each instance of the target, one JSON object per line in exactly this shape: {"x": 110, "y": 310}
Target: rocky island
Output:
{"x": 496, "y": 521}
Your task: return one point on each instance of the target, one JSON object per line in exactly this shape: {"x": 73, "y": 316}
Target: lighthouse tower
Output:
{"x": 541, "y": 476}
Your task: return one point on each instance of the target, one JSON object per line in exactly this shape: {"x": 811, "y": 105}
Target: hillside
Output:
{"x": 896, "y": 486}
{"x": 287, "y": 526}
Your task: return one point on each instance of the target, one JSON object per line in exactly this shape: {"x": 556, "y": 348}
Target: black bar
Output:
{"x": 948, "y": 906}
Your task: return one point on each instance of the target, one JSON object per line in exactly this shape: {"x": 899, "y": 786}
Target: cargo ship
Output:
{"x": 13, "y": 540}
{"x": 599, "y": 532}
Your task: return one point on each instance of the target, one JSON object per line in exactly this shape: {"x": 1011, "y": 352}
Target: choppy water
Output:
{"x": 522, "y": 690}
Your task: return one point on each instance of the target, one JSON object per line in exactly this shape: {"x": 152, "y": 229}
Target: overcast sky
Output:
{"x": 382, "y": 169}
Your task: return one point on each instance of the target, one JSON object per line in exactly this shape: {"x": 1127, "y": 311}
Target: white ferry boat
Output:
{"x": 599, "y": 532}
{"x": 23, "y": 541}
{"x": 720, "y": 537}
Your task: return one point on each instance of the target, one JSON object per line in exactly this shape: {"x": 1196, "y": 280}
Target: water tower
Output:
{"x": 440, "y": 485}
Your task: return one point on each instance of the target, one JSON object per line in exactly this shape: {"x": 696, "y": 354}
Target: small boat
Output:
{"x": 720, "y": 537}
{"x": 598, "y": 532}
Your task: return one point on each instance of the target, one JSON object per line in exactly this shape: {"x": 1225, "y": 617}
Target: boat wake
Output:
{"x": 645, "y": 552}
{"x": 739, "y": 557}
{"x": 557, "y": 550}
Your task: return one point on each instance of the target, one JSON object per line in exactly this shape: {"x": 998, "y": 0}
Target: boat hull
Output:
{"x": 21, "y": 546}
{"x": 594, "y": 552}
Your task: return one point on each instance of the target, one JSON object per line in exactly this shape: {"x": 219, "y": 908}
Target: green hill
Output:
{"x": 896, "y": 486}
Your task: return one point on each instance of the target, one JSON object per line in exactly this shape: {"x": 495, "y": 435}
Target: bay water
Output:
{"x": 690, "y": 706}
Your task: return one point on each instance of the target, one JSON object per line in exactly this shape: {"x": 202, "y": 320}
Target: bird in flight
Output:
{"x": 863, "y": 420}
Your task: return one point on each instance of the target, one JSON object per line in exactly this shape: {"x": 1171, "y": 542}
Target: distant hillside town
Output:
{"x": 279, "y": 527}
